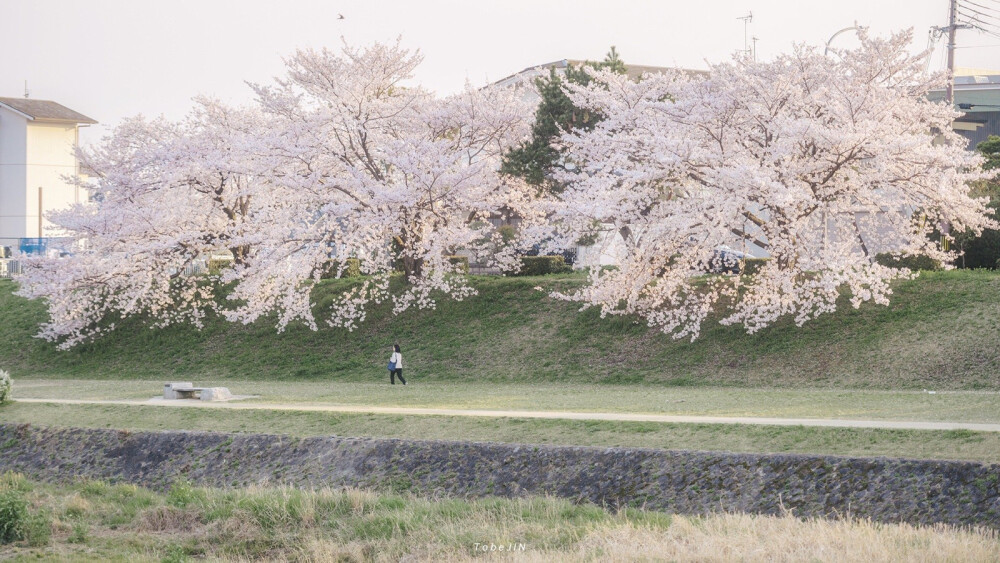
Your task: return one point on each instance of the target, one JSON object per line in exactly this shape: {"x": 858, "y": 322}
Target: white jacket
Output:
{"x": 397, "y": 359}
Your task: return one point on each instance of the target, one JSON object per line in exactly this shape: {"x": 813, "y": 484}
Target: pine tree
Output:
{"x": 535, "y": 159}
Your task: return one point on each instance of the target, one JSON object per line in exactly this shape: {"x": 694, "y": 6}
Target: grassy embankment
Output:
{"x": 941, "y": 331}
{"x": 93, "y": 520}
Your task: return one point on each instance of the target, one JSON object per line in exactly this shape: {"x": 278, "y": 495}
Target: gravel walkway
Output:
{"x": 631, "y": 417}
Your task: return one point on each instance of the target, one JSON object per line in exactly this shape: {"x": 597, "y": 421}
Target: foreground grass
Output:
{"x": 942, "y": 331}
{"x": 922, "y": 444}
{"x": 959, "y": 406}
{"x": 94, "y": 520}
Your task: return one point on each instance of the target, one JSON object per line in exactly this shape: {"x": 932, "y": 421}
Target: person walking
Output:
{"x": 396, "y": 366}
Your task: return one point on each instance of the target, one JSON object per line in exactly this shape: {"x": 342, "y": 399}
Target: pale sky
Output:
{"x": 110, "y": 59}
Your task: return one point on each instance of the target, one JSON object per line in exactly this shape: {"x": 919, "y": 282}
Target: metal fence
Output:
{"x": 484, "y": 270}
{"x": 9, "y": 268}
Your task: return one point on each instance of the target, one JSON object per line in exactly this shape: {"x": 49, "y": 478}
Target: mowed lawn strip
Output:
{"x": 941, "y": 331}
{"x": 940, "y": 406}
{"x": 922, "y": 444}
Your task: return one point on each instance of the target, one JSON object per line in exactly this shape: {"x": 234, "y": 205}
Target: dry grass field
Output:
{"x": 93, "y": 520}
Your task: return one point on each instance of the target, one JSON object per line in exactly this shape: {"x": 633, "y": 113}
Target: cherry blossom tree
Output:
{"x": 166, "y": 194}
{"x": 340, "y": 159}
{"x": 820, "y": 161}
{"x": 368, "y": 166}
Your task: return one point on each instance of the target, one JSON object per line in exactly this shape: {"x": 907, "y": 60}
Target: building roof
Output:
{"x": 45, "y": 111}
{"x": 633, "y": 71}
{"x": 973, "y": 93}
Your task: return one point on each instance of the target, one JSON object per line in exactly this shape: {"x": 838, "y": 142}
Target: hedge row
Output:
{"x": 461, "y": 261}
{"x": 530, "y": 266}
{"x": 542, "y": 265}
{"x": 352, "y": 269}
{"x": 753, "y": 265}
{"x": 917, "y": 262}
{"x": 216, "y": 265}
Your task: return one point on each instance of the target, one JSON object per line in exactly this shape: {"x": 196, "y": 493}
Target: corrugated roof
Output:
{"x": 972, "y": 96}
{"x": 977, "y": 79}
{"x": 634, "y": 71}
{"x": 45, "y": 110}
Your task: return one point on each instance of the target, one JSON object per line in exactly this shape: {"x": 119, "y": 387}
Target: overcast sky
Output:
{"x": 113, "y": 58}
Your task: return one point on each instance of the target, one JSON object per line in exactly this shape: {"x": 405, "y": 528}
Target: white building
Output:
{"x": 977, "y": 94}
{"x": 37, "y": 138}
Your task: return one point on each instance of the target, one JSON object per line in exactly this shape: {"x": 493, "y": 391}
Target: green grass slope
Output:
{"x": 941, "y": 331}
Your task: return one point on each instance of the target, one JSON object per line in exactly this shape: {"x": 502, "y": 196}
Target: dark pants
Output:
{"x": 393, "y": 374}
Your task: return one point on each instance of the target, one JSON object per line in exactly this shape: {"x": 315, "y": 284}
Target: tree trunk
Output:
{"x": 413, "y": 268}
{"x": 240, "y": 254}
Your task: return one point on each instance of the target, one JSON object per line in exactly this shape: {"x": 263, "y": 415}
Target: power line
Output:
{"x": 991, "y": 32}
{"x": 980, "y": 6}
{"x": 987, "y": 17}
{"x": 974, "y": 23}
{"x": 986, "y": 27}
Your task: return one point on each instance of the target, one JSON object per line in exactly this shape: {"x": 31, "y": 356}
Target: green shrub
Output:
{"x": 461, "y": 261}
{"x": 543, "y": 265}
{"x": 753, "y": 265}
{"x": 278, "y": 509}
{"x": 913, "y": 262}
{"x": 216, "y": 265}
{"x": 38, "y": 530}
{"x": 982, "y": 251}
{"x": 182, "y": 494}
{"x": 589, "y": 239}
{"x": 507, "y": 233}
{"x": 352, "y": 269}
{"x": 13, "y": 515}
{"x": 175, "y": 554}
{"x": 14, "y": 482}
{"x": 94, "y": 489}
{"x": 80, "y": 533}
{"x": 6, "y": 385}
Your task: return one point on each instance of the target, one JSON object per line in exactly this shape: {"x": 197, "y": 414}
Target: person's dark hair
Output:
{"x": 396, "y": 346}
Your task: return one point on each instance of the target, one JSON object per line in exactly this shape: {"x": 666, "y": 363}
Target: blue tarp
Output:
{"x": 33, "y": 245}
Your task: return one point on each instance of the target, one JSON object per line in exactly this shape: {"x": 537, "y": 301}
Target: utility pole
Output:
{"x": 949, "y": 96}
{"x": 746, "y": 38}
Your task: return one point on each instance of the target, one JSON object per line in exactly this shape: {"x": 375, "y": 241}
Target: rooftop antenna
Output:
{"x": 26, "y": 92}
{"x": 746, "y": 39}
{"x": 755, "y": 39}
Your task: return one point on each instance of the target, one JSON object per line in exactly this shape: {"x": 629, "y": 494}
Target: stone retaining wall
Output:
{"x": 888, "y": 490}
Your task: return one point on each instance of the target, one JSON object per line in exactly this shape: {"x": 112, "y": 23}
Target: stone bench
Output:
{"x": 186, "y": 390}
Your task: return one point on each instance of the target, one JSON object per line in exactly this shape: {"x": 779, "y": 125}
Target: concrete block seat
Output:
{"x": 186, "y": 390}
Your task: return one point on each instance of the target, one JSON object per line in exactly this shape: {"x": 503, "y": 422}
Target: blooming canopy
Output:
{"x": 813, "y": 159}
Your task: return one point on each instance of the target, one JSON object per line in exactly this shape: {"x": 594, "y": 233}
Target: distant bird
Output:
{"x": 340, "y": 16}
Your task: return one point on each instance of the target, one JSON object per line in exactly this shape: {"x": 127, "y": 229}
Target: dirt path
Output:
{"x": 562, "y": 415}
